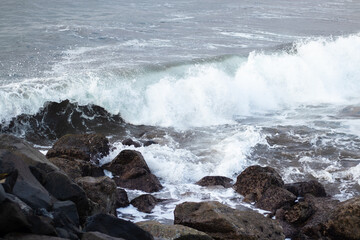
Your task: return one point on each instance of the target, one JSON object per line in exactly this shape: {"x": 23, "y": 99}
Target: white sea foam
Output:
{"x": 322, "y": 71}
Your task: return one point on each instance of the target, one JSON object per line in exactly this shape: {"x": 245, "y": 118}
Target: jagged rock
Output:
{"x": 65, "y": 227}
{"x": 172, "y": 232}
{"x": 42, "y": 225}
{"x": 101, "y": 190}
{"x": 254, "y": 181}
{"x": 344, "y": 222}
{"x": 148, "y": 143}
{"x": 98, "y": 236}
{"x": 299, "y": 212}
{"x": 144, "y": 203}
{"x": 222, "y": 222}
{"x": 275, "y": 197}
{"x": 121, "y": 198}
{"x": 89, "y": 147}
{"x": 215, "y": 180}
{"x": 301, "y": 188}
{"x": 132, "y": 172}
{"x": 68, "y": 208}
{"x": 76, "y": 168}
{"x": 12, "y": 218}
{"x": 130, "y": 142}
{"x": 2, "y": 194}
{"x": 28, "y": 236}
{"x": 115, "y": 227}
{"x": 9, "y": 180}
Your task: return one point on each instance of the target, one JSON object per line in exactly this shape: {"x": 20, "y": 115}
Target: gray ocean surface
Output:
{"x": 220, "y": 85}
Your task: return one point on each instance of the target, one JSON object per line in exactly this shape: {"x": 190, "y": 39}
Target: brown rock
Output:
{"x": 98, "y": 236}
{"x": 254, "y": 181}
{"x": 101, "y": 190}
{"x": 275, "y": 197}
{"x": 121, "y": 198}
{"x": 299, "y": 212}
{"x": 215, "y": 180}
{"x": 222, "y": 222}
{"x": 76, "y": 168}
{"x": 301, "y": 188}
{"x": 144, "y": 203}
{"x": 80, "y": 146}
{"x": 130, "y": 142}
{"x": 344, "y": 222}
{"x": 132, "y": 172}
{"x": 172, "y": 232}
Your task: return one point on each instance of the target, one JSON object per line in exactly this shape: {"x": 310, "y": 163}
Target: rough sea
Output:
{"x": 220, "y": 85}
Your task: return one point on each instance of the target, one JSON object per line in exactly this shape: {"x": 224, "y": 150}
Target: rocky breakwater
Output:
{"x": 303, "y": 209}
{"x": 63, "y": 197}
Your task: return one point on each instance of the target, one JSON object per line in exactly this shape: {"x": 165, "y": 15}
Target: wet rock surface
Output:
{"x": 121, "y": 198}
{"x": 215, "y": 181}
{"x": 144, "y": 203}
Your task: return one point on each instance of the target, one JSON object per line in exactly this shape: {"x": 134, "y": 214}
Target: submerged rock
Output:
{"x": 88, "y": 147}
{"x": 214, "y": 181}
{"x": 301, "y": 188}
{"x": 131, "y": 171}
{"x": 130, "y": 142}
{"x": 222, "y": 222}
{"x": 172, "y": 232}
{"x": 255, "y": 180}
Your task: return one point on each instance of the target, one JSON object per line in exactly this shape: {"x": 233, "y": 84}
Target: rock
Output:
{"x": 101, "y": 190}
{"x": 65, "y": 227}
{"x": 9, "y": 180}
{"x": 215, "y": 180}
{"x": 130, "y": 142}
{"x": 148, "y": 143}
{"x": 299, "y": 213}
{"x": 115, "y": 227}
{"x": 172, "y": 232}
{"x": 121, "y": 198}
{"x": 27, "y": 187}
{"x": 222, "y": 222}
{"x": 344, "y": 222}
{"x": 275, "y": 197}
{"x": 68, "y": 208}
{"x": 89, "y": 147}
{"x": 254, "y": 181}
{"x": 42, "y": 225}
{"x": 76, "y": 168}
{"x": 12, "y": 218}
{"x": 301, "y": 188}
{"x": 144, "y": 203}
{"x": 98, "y": 236}
{"x": 28, "y": 236}
{"x": 132, "y": 172}
{"x": 2, "y": 194}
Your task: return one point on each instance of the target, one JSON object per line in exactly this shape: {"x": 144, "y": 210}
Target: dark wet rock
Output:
{"x": 254, "y": 181}
{"x": 8, "y": 180}
{"x": 27, "y": 187}
{"x": 148, "y": 143}
{"x": 275, "y": 197}
{"x": 314, "y": 227}
{"x": 42, "y": 225}
{"x": 214, "y": 181}
{"x": 132, "y": 172}
{"x": 301, "y": 188}
{"x": 29, "y": 236}
{"x": 65, "y": 227}
{"x": 122, "y": 199}
{"x": 222, "y": 222}
{"x": 172, "y": 232}
{"x": 12, "y": 218}
{"x": 101, "y": 190}
{"x": 55, "y": 120}
{"x": 130, "y": 142}
{"x": 344, "y": 222}
{"x": 299, "y": 213}
{"x": 115, "y": 227}
{"x": 144, "y": 203}
{"x": 68, "y": 208}
{"x": 2, "y": 194}
{"x": 98, "y": 236}
{"x": 88, "y": 147}
{"x": 76, "y": 168}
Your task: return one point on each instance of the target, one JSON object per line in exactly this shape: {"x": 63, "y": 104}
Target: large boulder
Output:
{"x": 172, "y": 232}
{"x": 312, "y": 187}
{"x": 215, "y": 181}
{"x": 101, "y": 190}
{"x": 255, "y": 180}
{"x": 12, "y": 218}
{"x": 116, "y": 227}
{"x": 222, "y": 222}
{"x": 89, "y": 147}
{"x": 344, "y": 222}
{"x": 132, "y": 172}
{"x": 275, "y": 197}
{"x": 76, "y": 168}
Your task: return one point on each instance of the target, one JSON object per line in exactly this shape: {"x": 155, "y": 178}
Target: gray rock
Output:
{"x": 68, "y": 208}
{"x": 98, "y": 236}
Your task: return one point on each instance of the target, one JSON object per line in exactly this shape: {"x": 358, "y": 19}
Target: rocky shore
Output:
{"x": 66, "y": 195}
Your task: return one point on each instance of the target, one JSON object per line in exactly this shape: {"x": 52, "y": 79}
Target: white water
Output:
{"x": 202, "y": 94}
